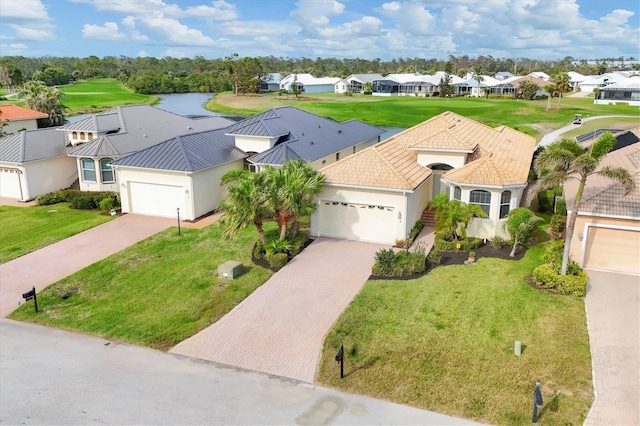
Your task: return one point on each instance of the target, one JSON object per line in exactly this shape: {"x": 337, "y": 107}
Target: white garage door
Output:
{"x": 10, "y": 183}
{"x": 357, "y": 222}
{"x": 613, "y": 250}
{"x": 156, "y": 200}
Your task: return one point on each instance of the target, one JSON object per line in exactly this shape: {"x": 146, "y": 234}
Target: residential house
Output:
{"x": 184, "y": 172}
{"x": 379, "y": 193}
{"x": 34, "y": 162}
{"x": 355, "y": 83}
{"x": 19, "y": 118}
{"x": 623, "y": 91}
{"x": 541, "y": 75}
{"x": 503, "y": 75}
{"x": 607, "y": 230}
{"x": 516, "y": 81}
{"x": 306, "y": 83}
{"x": 599, "y": 81}
{"x": 575, "y": 79}
{"x": 270, "y": 82}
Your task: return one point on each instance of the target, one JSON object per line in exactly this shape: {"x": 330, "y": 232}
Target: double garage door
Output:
{"x": 156, "y": 200}
{"x": 611, "y": 249}
{"x": 362, "y": 222}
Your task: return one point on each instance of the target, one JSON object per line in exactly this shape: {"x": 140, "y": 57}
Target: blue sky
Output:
{"x": 542, "y": 29}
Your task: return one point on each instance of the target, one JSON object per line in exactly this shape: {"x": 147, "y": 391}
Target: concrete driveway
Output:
{"x": 613, "y": 316}
{"x": 280, "y": 328}
{"x": 52, "y": 263}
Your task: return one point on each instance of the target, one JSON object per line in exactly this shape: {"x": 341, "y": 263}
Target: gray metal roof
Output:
{"x": 136, "y": 127}
{"x": 308, "y": 136}
{"x": 186, "y": 153}
{"x": 32, "y": 145}
{"x": 279, "y": 154}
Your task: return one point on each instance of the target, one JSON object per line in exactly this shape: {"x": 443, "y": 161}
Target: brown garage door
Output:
{"x": 613, "y": 250}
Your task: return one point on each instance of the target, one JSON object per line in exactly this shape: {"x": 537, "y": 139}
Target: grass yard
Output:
{"x": 404, "y": 111}
{"x": 445, "y": 342}
{"x": 155, "y": 293}
{"x": 98, "y": 94}
{"x": 26, "y": 229}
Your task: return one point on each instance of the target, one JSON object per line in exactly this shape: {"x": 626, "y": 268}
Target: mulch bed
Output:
{"x": 459, "y": 257}
{"x": 264, "y": 263}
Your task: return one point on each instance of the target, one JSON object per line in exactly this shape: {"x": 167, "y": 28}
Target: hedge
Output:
{"x": 466, "y": 244}
{"x": 278, "y": 260}
{"x": 82, "y": 200}
{"x": 545, "y": 276}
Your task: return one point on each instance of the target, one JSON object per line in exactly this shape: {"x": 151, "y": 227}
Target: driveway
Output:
{"x": 280, "y": 328}
{"x": 613, "y": 317}
{"x": 52, "y": 263}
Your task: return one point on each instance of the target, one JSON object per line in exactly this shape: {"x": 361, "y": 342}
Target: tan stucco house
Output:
{"x": 379, "y": 193}
{"x": 607, "y": 230}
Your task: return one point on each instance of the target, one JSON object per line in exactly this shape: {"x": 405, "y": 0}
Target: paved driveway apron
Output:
{"x": 52, "y": 263}
{"x": 613, "y": 316}
{"x": 280, "y": 327}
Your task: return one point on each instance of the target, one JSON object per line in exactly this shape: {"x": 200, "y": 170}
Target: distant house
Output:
{"x": 623, "y": 91}
{"x": 516, "y": 81}
{"x": 541, "y": 75}
{"x": 503, "y": 75}
{"x": 185, "y": 171}
{"x": 607, "y": 230}
{"x": 599, "y": 81}
{"x": 20, "y": 118}
{"x": 576, "y": 78}
{"x": 307, "y": 83}
{"x": 355, "y": 83}
{"x": 379, "y": 193}
{"x": 270, "y": 82}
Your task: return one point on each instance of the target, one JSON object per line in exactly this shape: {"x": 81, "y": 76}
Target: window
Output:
{"x": 88, "y": 170}
{"x": 82, "y": 137}
{"x": 90, "y": 135}
{"x": 74, "y": 135}
{"x": 106, "y": 172}
{"x": 505, "y": 204}
{"x": 481, "y": 198}
{"x": 457, "y": 193}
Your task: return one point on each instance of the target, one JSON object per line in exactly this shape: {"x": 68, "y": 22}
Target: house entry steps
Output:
{"x": 280, "y": 328}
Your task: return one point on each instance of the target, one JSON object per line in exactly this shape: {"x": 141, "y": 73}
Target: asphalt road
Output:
{"x": 50, "y": 376}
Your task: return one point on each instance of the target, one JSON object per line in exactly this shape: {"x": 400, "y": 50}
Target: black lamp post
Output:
{"x": 178, "y": 210}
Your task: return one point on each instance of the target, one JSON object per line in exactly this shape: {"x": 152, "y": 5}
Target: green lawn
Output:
{"x": 25, "y": 229}
{"x": 155, "y": 293}
{"x": 99, "y": 94}
{"x": 403, "y": 111}
{"x": 445, "y": 341}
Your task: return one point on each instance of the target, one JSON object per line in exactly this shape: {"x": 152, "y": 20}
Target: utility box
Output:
{"x": 230, "y": 270}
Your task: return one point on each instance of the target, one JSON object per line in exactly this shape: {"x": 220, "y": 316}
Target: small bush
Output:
{"x": 415, "y": 231}
{"x": 545, "y": 201}
{"x": 498, "y": 242}
{"x": 547, "y": 277}
{"x": 556, "y": 227}
{"x": 278, "y": 246}
{"x": 384, "y": 261}
{"x": 87, "y": 199}
{"x": 434, "y": 258}
{"x": 107, "y": 204}
{"x": 561, "y": 207}
{"x": 557, "y": 191}
{"x": 277, "y": 260}
{"x": 400, "y": 243}
{"x": 258, "y": 250}
{"x": 466, "y": 244}
{"x": 83, "y": 202}
{"x": 347, "y": 93}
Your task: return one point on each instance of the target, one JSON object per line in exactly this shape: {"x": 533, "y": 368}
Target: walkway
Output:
{"x": 280, "y": 328}
{"x": 50, "y": 376}
{"x": 54, "y": 262}
{"x": 613, "y": 305}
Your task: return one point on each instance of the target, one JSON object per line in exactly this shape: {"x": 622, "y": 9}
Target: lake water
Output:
{"x": 193, "y": 104}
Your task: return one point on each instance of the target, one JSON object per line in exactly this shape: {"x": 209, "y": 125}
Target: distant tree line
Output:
{"x": 151, "y": 75}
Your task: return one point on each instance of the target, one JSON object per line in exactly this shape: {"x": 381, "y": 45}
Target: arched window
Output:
{"x": 88, "y": 169}
{"x": 74, "y": 135}
{"x": 82, "y": 136}
{"x": 505, "y": 204}
{"x": 90, "y": 136}
{"x": 481, "y": 198}
{"x": 106, "y": 172}
{"x": 457, "y": 193}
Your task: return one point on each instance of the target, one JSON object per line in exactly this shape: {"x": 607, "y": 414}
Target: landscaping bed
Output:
{"x": 459, "y": 257}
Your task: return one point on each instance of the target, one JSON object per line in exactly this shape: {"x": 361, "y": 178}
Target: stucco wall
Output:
{"x": 453, "y": 159}
{"x": 125, "y": 176}
{"x": 48, "y": 175}
{"x": 417, "y": 202}
{"x": 98, "y": 185}
{"x": 254, "y": 144}
{"x": 581, "y": 230}
{"x": 14, "y": 126}
{"x": 206, "y": 190}
{"x": 330, "y": 159}
{"x": 365, "y": 196}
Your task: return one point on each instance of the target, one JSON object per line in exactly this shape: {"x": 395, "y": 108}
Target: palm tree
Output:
{"x": 245, "y": 203}
{"x": 477, "y": 69}
{"x": 562, "y": 84}
{"x": 550, "y": 89}
{"x": 453, "y": 216}
{"x": 44, "y": 99}
{"x": 520, "y": 222}
{"x": 566, "y": 159}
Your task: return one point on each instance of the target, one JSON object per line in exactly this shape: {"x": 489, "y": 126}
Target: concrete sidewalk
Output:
{"x": 280, "y": 328}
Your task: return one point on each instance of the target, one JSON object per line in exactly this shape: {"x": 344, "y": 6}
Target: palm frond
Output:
{"x": 621, "y": 176}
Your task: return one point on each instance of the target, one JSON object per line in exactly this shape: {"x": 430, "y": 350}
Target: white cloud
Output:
{"x": 412, "y": 17}
{"x": 316, "y": 13}
{"x": 142, "y": 54}
{"x": 110, "y": 31}
{"x": 129, "y": 22}
{"x": 257, "y": 29}
{"x": 220, "y": 11}
{"x": 43, "y": 32}
{"x": 172, "y": 31}
{"x": 14, "y": 49}
{"x": 23, "y": 10}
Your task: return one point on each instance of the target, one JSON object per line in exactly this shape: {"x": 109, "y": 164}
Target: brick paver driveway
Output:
{"x": 52, "y": 263}
{"x": 280, "y": 327}
{"x": 613, "y": 316}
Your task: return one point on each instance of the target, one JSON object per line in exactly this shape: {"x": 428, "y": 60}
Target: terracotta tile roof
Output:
{"x": 612, "y": 201}
{"x": 15, "y": 112}
{"x": 501, "y": 156}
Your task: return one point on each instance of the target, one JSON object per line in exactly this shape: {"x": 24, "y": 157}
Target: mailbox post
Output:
{"x": 340, "y": 359}
{"x": 178, "y": 211}
{"x": 31, "y": 294}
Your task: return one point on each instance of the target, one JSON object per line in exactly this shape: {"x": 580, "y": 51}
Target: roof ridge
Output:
{"x": 389, "y": 165}
{"x": 23, "y": 145}
{"x": 185, "y": 155}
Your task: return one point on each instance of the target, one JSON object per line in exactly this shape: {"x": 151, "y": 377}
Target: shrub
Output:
{"x": 258, "y": 250}
{"x": 347, "y": 93}
{"x": 556, "y": 227}
{"x": 83, "y": 202}
{"x": 384, "y": 261}
{"x": 88, "y": 199}
{"x": 466, "y": 244}
{"x": 400, "y": 243}
{"x": 415, "y": 231}
{"x": 498, "y": 242}
{"x": 435, "y": 257}
{"x": 277, "y": 260}
{"x": 545, "y": 276}
{"x": 407, "y": 263}
{"x": 545, "y": 201}
{"x": 107, "y": 204}
{"x": 561, "y": 207}
{"x": 278, "y": 246}
{"x": 557, "y": 191}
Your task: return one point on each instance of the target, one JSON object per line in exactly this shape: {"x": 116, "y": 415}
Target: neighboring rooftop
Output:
{"x": 12, "y": 112}
{"x": 32, "y": 145}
